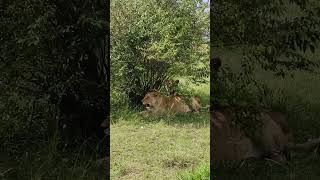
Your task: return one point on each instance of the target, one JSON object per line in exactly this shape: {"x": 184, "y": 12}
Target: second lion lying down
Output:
{"x": 156, "y": 102}
{"x": 231, "y": 143}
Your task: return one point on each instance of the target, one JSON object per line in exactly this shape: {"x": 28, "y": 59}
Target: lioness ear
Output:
{"x": 157, "y": 93}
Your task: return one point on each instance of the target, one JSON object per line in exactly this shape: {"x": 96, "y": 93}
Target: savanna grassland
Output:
{"x": 166, "y": 147}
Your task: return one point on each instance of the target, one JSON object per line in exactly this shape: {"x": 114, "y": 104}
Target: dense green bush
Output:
{"x": 273, "y": 34}
{"x": 154, "y": 40}
{"x": 47, "y": 50}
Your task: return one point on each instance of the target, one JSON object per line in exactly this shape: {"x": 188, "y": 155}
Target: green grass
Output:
{"x": 159, "y": 147}
{"x": 43, "y": 160}
{"x": 201, "y": 173}
{"x": 302, "y": 166}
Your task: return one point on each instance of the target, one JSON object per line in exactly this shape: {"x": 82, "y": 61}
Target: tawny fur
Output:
{"x": 156, "y": 102}
{"x": 230, "y": 143}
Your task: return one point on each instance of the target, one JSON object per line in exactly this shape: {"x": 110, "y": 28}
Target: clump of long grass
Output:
{"x": 201, "y": 173}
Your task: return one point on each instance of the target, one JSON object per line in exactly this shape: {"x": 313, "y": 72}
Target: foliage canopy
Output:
{"x": 48, "y": 50}
{"x": 154, "y": 40}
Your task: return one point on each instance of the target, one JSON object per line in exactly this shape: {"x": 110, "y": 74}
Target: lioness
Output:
{"x": 156, "y": 102}
{"x": 171, "y": 86}
{"x": 230, "y": 143}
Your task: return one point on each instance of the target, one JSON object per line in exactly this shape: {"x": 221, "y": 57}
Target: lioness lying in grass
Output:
{"x": 231, "y": 143}
{"x": 156, "y": 102}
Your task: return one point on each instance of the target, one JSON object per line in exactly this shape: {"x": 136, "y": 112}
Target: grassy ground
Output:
{"x": 167, "y": 147}
{"x": 202, "y": 172}
{"x": 44, "y": 161}
{"x": 299, "y": 97}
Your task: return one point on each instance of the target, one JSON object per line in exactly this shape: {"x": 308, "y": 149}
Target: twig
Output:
{"x": 4, "y": 172}
{"x": 278, "y": 163}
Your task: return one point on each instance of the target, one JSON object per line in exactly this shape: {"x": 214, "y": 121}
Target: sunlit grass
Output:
{"x": 159, "y": 147}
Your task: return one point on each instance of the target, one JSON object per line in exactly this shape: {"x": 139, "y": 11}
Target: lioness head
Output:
{"x": 171, "y": 86}
{"x": 151, "y": 100}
